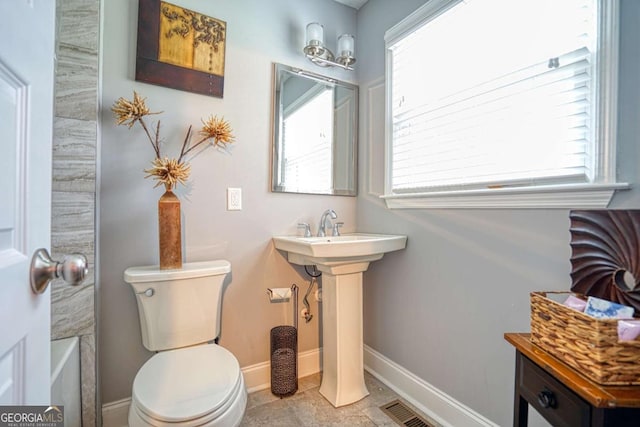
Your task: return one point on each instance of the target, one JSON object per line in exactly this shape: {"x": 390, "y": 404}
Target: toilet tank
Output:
{"x": 178, "y": 308}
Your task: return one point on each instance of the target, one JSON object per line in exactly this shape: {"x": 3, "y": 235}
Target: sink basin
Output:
{"x": 347, "y": 246}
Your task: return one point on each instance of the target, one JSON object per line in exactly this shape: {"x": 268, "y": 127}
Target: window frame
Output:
{"x": 596, "y": 194}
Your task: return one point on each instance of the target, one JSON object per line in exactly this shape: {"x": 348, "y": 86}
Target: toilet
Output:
{"x": 190, "y": 381}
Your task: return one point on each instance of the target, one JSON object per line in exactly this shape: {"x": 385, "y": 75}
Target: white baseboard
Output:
{"x": 116, "y": 414}
{"x": 434, "y": 403}
{"x": 256, "y": 377}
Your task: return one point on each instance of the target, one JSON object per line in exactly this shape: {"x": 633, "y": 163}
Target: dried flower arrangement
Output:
{"x": 168, "y": 171}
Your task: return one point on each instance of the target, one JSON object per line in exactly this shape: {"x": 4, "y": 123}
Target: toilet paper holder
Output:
{"x": 276, "y": 295}
{"x": 280, "y": 294}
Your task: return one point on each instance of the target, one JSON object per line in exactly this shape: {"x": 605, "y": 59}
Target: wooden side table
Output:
{"x": 563, "y": 396}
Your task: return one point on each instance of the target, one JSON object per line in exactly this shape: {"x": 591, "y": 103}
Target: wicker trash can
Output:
{"x": 284, "y": 364}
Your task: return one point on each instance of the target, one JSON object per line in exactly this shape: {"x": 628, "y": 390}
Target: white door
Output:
{"x": 27, "y": 47}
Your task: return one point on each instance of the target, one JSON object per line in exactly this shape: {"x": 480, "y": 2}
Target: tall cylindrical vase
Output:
{"x": 169, "y": 231}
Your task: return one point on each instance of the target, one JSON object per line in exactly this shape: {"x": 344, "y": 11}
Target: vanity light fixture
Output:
{"x": 319, "y": 54}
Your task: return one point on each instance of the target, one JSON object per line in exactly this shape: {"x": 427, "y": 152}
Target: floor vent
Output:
{"x": 403, "y": 415}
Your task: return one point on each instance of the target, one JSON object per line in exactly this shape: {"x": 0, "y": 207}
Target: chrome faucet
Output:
{"x": 322, "y": 228}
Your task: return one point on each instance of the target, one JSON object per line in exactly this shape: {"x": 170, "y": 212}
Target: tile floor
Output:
{"x": 307, "y": 408}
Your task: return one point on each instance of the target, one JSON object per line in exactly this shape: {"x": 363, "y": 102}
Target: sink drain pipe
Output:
{"x": 307, "y": 310}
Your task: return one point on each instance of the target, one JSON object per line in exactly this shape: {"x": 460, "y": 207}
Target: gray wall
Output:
{"x": 74, "y": 181}
{"x": 440, "y": 307}
{"x": 259, "y": 33}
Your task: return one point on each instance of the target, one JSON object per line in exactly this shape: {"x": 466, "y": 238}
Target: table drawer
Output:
{"x": 554, "y": 401}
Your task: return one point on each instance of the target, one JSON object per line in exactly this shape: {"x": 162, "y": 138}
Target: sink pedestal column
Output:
{"x": 342, "y": 340}
{"x": 342, "y": 260}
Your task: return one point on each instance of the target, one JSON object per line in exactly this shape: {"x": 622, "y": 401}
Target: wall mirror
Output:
{"x": 315, "y": 133}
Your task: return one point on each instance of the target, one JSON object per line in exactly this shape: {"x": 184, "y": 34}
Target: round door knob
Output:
{"x": 72, "y": 269}
{"x": 547, "y": 399}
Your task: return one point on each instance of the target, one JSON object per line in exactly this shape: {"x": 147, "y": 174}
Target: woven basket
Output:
{"x": 585, "y": 343}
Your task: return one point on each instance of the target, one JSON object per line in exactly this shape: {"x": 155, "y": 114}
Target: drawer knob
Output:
{"x": 547, "y": 399}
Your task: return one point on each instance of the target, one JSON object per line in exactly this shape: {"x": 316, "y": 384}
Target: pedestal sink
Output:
{"x": 342, "y": 260}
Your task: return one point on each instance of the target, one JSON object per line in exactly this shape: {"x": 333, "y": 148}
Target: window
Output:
{"x": 502, "y": 103}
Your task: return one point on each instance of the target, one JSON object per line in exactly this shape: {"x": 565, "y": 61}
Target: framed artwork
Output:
{"x": 180, "y": 48}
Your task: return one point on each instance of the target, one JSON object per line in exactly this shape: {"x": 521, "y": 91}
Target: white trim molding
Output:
{"x": 116, "y": 414}
{"x": 374, "y": 138}
{"x": 258, "y": 377}
{"x": 434, "y": 403}
{"x": 568, "y": 196}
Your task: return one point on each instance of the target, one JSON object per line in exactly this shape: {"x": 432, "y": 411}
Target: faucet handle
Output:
{"x": 336, "y": 228}
{"x": 307, "y": 229}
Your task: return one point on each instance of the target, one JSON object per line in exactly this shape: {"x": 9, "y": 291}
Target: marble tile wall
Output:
{"x": 74, "y": 182}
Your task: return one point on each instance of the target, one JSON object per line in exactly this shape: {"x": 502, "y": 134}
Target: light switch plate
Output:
{"x": 234, "y": 199}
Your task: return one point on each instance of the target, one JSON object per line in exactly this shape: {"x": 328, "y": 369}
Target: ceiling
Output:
{"x": 356, "y": 4}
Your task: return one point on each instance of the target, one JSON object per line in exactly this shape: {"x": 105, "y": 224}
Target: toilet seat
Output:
{"x": 193, "y": 386}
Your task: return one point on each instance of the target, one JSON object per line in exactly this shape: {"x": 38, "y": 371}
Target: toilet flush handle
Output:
{"x": 149, "y": 292}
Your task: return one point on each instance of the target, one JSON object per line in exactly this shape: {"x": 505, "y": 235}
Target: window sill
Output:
{"x": 572, "y": 196}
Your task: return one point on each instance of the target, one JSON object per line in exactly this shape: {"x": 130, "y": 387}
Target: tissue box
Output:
{"x": 587, "y": 344}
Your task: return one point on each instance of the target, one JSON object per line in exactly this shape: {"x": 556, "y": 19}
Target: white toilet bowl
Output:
{"x": 194, "y": 386}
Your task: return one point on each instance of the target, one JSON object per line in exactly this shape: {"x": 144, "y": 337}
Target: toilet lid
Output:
{"x": 186, "y": 383}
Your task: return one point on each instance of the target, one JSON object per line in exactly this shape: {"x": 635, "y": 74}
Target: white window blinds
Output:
{"x": 493, "y": 93}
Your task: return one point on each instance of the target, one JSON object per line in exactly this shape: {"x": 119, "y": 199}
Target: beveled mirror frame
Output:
{"x": 344, "y": 150}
